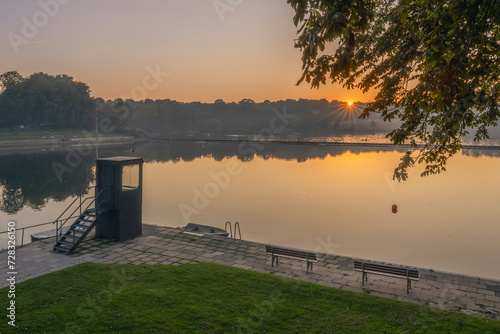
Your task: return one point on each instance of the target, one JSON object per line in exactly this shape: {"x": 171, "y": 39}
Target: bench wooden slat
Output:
{"x": 390, "y": 275}
{"x": 387, "y": 270}
{"x": 295, "y": 254}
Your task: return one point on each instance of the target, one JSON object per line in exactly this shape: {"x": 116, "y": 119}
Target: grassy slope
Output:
{"x": 205, "y": 298}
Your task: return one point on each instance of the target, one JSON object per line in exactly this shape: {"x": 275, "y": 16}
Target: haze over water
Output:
{"x": 327, "y": 199}
{"x": 342, "y": 205}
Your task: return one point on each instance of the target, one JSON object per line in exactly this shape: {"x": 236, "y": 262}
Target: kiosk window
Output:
{"x": 130, "y": 177}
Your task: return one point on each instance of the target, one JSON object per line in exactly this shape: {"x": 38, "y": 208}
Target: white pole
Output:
{"x": 96, "y": 136}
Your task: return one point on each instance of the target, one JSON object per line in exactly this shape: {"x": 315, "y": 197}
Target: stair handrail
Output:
{"x": 58, "y": 228}
{"x": 65, "y": 220}
{"x": 84, "y": 210}
{"x": 236, "y": 228}
{"x": 77, "y": 197}
{"x": 230, "y": 230}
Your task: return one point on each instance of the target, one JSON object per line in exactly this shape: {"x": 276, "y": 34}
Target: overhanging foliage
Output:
{"x": 435, "y": 65}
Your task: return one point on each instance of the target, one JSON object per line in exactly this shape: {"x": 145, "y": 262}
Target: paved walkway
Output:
{"x": 163, "y": 245}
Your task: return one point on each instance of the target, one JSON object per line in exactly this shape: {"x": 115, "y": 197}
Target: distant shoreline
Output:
{"x": 54, "y": 143}
{"x": 302, "y": 142}
{"x": 58, "y": 142}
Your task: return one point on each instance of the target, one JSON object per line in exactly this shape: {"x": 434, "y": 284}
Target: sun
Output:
{"x": 349, "y": 103}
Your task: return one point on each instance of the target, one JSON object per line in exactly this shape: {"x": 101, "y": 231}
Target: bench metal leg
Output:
{"x": 309, "y": 264}
{"x": 273, "y": 257}
{"x": 364, "y": 276}
{"x": 408, "y": 281}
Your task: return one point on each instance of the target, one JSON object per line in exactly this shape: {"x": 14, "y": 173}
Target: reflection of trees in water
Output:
{"x": 29, "y": 180}
{"x": 477, "y": 153}
{"x": 189, "y": 151}
{"x": 11, "y": 200}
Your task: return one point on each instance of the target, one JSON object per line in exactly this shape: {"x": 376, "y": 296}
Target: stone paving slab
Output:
{"x": 164, "y": 245}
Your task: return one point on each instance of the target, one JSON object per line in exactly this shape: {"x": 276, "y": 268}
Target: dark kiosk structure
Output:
{"x": 119, "y": 185}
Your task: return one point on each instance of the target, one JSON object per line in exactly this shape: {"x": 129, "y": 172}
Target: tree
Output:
{"x": 45, "y": 100}
{"x": 247, "y": 101}
{"x": 435, "y": 65}
{"x": 10, "y": 79}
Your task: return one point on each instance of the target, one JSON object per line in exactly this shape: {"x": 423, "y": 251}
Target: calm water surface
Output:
{"x": 329, "y": 199}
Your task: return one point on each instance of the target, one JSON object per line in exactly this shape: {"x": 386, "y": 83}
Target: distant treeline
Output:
{"x": 58, "y": 102}
{"x": 289, "y": 118}
{"x": 46, "y": 101}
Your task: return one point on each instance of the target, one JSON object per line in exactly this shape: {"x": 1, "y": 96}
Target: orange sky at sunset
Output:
{"x": 211, "y": 49}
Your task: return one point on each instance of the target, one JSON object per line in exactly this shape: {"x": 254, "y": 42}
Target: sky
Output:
{"x": 184, "y": 50}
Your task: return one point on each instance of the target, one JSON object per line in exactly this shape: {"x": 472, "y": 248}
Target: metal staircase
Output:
{"x": 77, "y": 232}
{"x": 85, "y": 214}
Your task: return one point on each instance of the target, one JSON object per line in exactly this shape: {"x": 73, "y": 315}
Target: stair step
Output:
{"x": 86, "y": 220}
{"x": 82, "y": 225}
{"x": 61, "y": 248}
{"x": 65, "y": 242}
{"x": 77, "y": 229}
{"x": 70, "y": 236}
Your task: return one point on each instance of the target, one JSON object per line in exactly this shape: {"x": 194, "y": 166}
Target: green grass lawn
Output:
{"x": 210, "y": 298}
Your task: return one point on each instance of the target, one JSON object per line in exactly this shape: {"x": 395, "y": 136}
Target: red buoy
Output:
{"x": 394, "y": 207}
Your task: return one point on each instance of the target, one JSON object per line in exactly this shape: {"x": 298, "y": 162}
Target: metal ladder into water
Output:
{"x": 236, "y": 228}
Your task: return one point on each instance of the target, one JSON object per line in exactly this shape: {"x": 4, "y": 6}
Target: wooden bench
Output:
{"x": 386, "y": 270}
{"x": 296, "y": 254}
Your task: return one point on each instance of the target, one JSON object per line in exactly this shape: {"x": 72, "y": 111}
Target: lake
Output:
{"x": 334, "y": 199}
